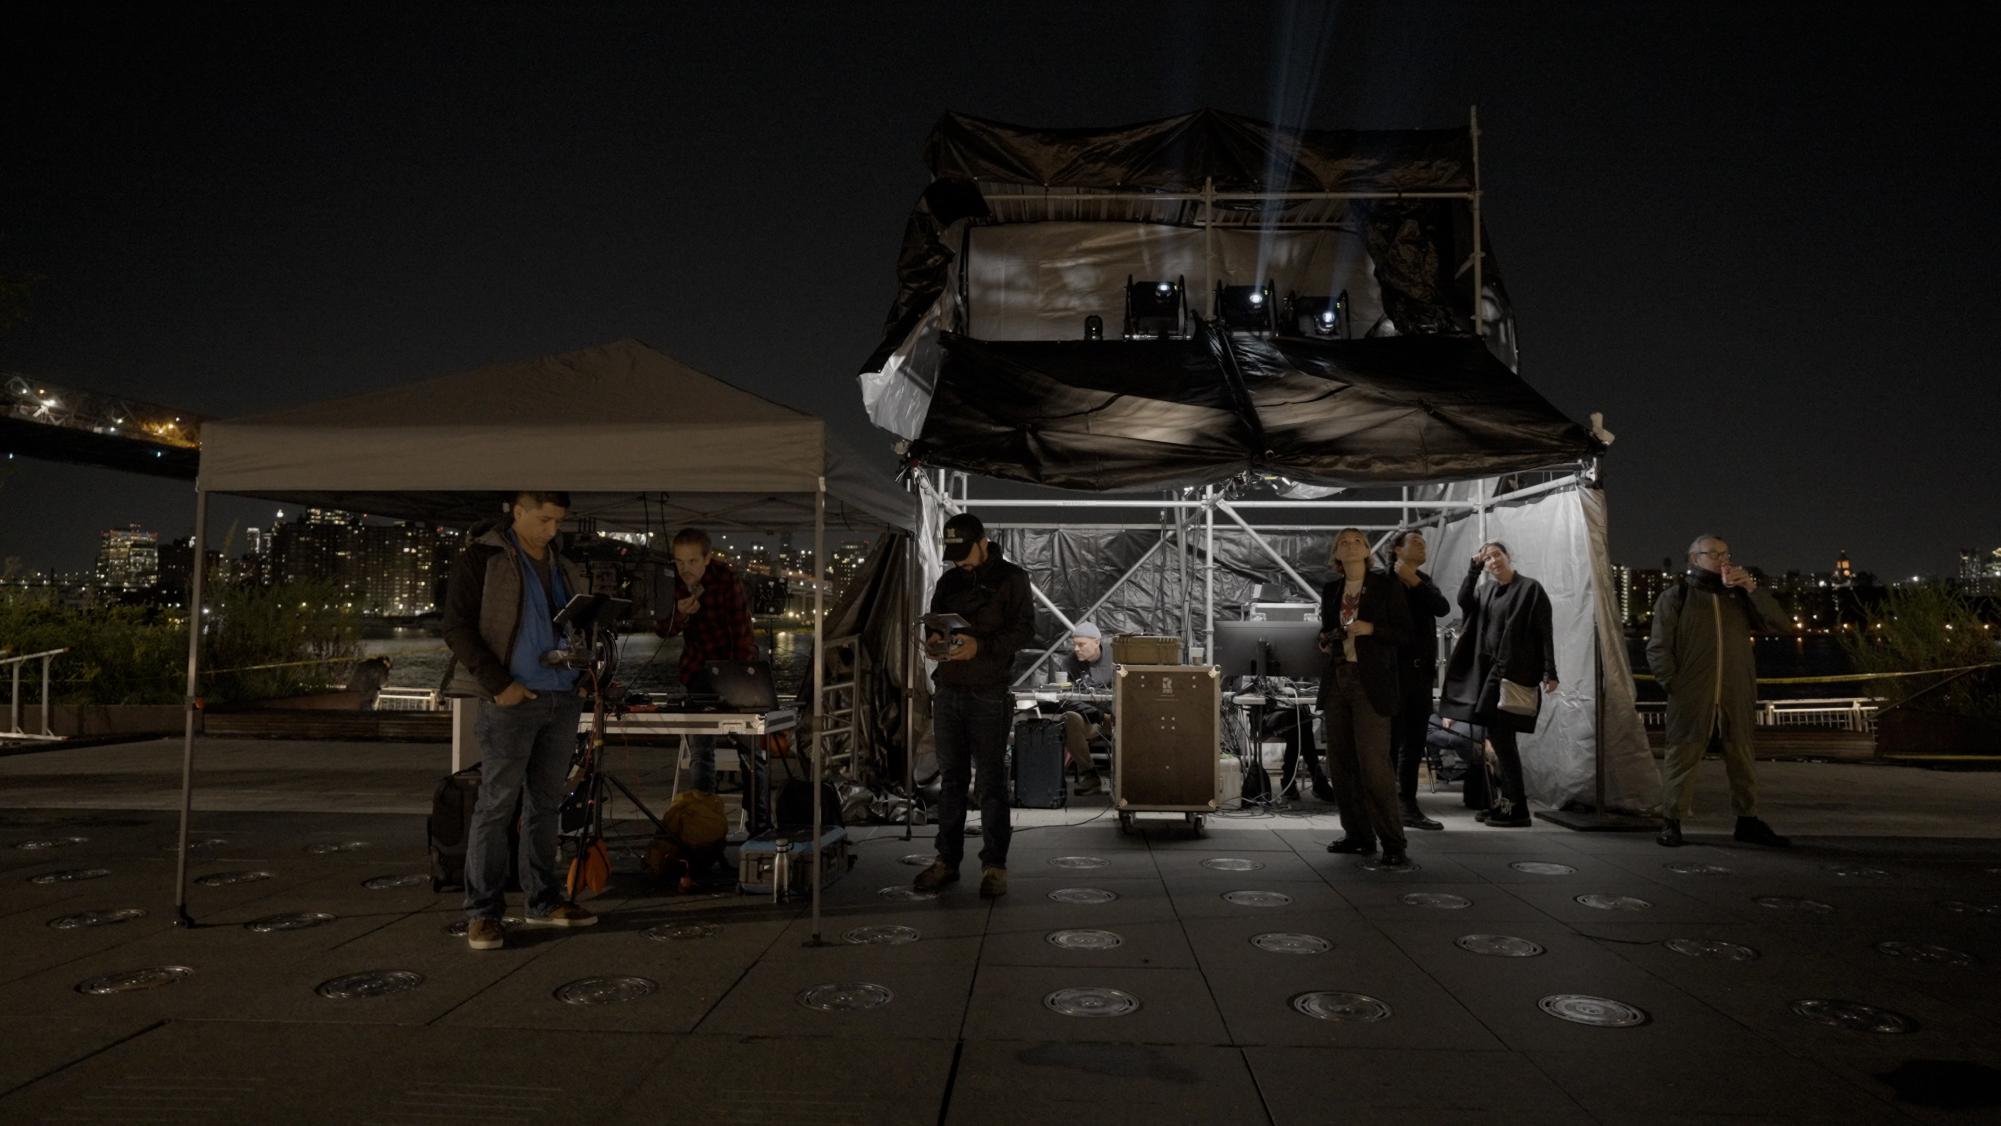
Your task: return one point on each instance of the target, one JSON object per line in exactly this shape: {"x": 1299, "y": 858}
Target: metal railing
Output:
{"x": 407, "y": 700}
{"x": 1847, "y": 713}
{"x": 14, "y": 708}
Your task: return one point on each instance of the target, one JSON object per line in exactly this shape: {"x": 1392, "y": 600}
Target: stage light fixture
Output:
{"x": 1246, "y": 308}
{"x": 1156, "y": 308}
{"x": 1325, "y": 317}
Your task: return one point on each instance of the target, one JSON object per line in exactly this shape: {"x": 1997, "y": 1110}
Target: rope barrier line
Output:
{"x": 1854, "y": 677}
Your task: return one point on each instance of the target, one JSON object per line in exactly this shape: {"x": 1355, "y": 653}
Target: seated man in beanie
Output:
{"x": 1090, "y": 667}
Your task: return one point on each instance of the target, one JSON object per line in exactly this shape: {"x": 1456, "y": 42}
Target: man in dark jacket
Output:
{"x": 505, "y": 588}
{"x": 972, "y": 708}
{"x": 1417, "y": 669}
{"x": 1700, "y": 651}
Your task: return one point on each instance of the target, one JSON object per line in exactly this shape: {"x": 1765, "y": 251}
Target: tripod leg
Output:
{"x": 634, "y": 799}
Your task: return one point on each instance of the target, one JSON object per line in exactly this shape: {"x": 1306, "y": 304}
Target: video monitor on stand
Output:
{"x": 1268, "y": 649}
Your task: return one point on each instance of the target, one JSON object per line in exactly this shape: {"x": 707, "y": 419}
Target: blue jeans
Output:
{"x": 525, "y": 753}
{"x": 971, "y": 727}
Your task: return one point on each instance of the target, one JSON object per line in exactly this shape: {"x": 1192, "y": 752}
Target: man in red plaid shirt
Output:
{"x": 712, "y": 615}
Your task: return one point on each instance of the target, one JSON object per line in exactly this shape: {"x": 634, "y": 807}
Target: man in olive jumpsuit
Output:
{"x": 1700, "y": 651}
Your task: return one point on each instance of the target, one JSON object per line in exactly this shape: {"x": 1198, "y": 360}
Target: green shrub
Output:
{"x": 1928, "y": 627}
{"x": 260, "y": 644}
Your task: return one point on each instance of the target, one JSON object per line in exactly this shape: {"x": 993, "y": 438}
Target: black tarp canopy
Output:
{"x": 1144, "y": 413}
{"x": 974, "y": 372}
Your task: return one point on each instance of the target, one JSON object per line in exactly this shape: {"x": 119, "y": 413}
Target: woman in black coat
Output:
{"x": 1363, "y": 618}
{"x": 1506, "y": 633}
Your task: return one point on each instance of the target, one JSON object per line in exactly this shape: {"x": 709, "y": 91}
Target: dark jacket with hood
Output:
{"x": 995, "y": 601}
{"x": 1700, "y": 651}
{"x": 1507, "y": 632}
{"x": 483, "y": 611}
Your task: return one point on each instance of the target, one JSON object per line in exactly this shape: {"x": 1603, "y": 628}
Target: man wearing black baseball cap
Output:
{"x": 972, "y": 707}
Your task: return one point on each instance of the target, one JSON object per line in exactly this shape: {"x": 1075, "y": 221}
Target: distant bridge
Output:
{"x": 42, "y": 420}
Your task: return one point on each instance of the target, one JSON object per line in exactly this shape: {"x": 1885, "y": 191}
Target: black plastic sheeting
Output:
{"x": 1103, "y": 415}
{"x": 1417, "y": 244}
{"x": 1076, "y": 566}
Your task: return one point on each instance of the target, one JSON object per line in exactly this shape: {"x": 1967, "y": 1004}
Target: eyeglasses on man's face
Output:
{"x": 1715, "y": 554}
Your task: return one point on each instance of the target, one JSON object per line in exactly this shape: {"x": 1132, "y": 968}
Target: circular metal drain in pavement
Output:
{"x": 1683, "y": 868}
{"x": 226, "y": 879}
{"x": 1859, "y": 871}
{"x": 1925, "y": 953}
{"x": 332, "y": 847}
{"x": 1279, "y": 942}
{"x": 1599, "y": 1012}
{"x": 1794, "y": 903}
{"x": 131, "y": 981}
{"x": 1346, "y": 1008}
{"x": 370, "y": 984}
{"x": 392, "y": 883}
{"x": 1254, "y": 898}
{"x": 1083, "y": 895}
{"x": 1084, "y": 940}
{"x": 846, "y": 997}
{"x": 47, "y": 843}
{"x": 70, "y": 876}
{"x": 105, "y": 918}
{"x": 889, "y": 935}
{"x": 1079, "y": 863}
{"x": 1962, "y": 907}
{"x": 904, "y": 893}
{"x": 1440, "y": 899}
{"x": 1613, "y": 902}
{"x": 1232, "y": 864}
{"x": 1854, "y": 1016}
{"x": 1712, "y": 948}
{"x": 1375, "y": 865}
{"x": 1091, "y": 1001}
{"x": 1542, "y": 868}
{"x": 294, "y": 921}
{"x": 1498, "y": 945}
{"x": 605, "y": 990}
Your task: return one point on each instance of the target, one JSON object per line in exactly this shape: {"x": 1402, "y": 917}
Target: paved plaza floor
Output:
{"x": 1245, "y": 976}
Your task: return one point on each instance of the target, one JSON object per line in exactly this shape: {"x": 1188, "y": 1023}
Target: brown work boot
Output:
{"x": 564, "y": 915}
{"x": 993, "y": 883}
{"x": 485, "y": 934}
{"x": 1089, "y": 783}
{"x": 935, "y": 877}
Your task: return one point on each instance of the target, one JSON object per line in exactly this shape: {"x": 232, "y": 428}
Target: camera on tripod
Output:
{"x": 585, "y": 623}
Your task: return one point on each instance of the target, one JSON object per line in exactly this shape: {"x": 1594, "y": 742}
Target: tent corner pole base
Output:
{"x": 1585, "y": 820}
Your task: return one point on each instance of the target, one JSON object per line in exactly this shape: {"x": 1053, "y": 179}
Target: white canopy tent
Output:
{"x": 635, "y": 436}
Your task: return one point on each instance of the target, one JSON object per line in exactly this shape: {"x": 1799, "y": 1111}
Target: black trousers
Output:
{"x": 1408, "y": 728}
{"x": 1509, "y": 752}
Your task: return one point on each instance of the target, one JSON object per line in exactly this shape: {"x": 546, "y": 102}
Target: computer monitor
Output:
{"x": 1270, "y": 649}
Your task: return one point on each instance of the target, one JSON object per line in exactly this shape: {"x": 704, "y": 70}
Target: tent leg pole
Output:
{"x": 912, "y": 669}
{"x": 819, "y": 687}
{"x": 1209, "y": 573}
{"x": 190, "y": 704}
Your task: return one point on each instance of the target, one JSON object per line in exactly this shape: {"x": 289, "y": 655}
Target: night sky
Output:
{"x": 1761, "y": 242}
